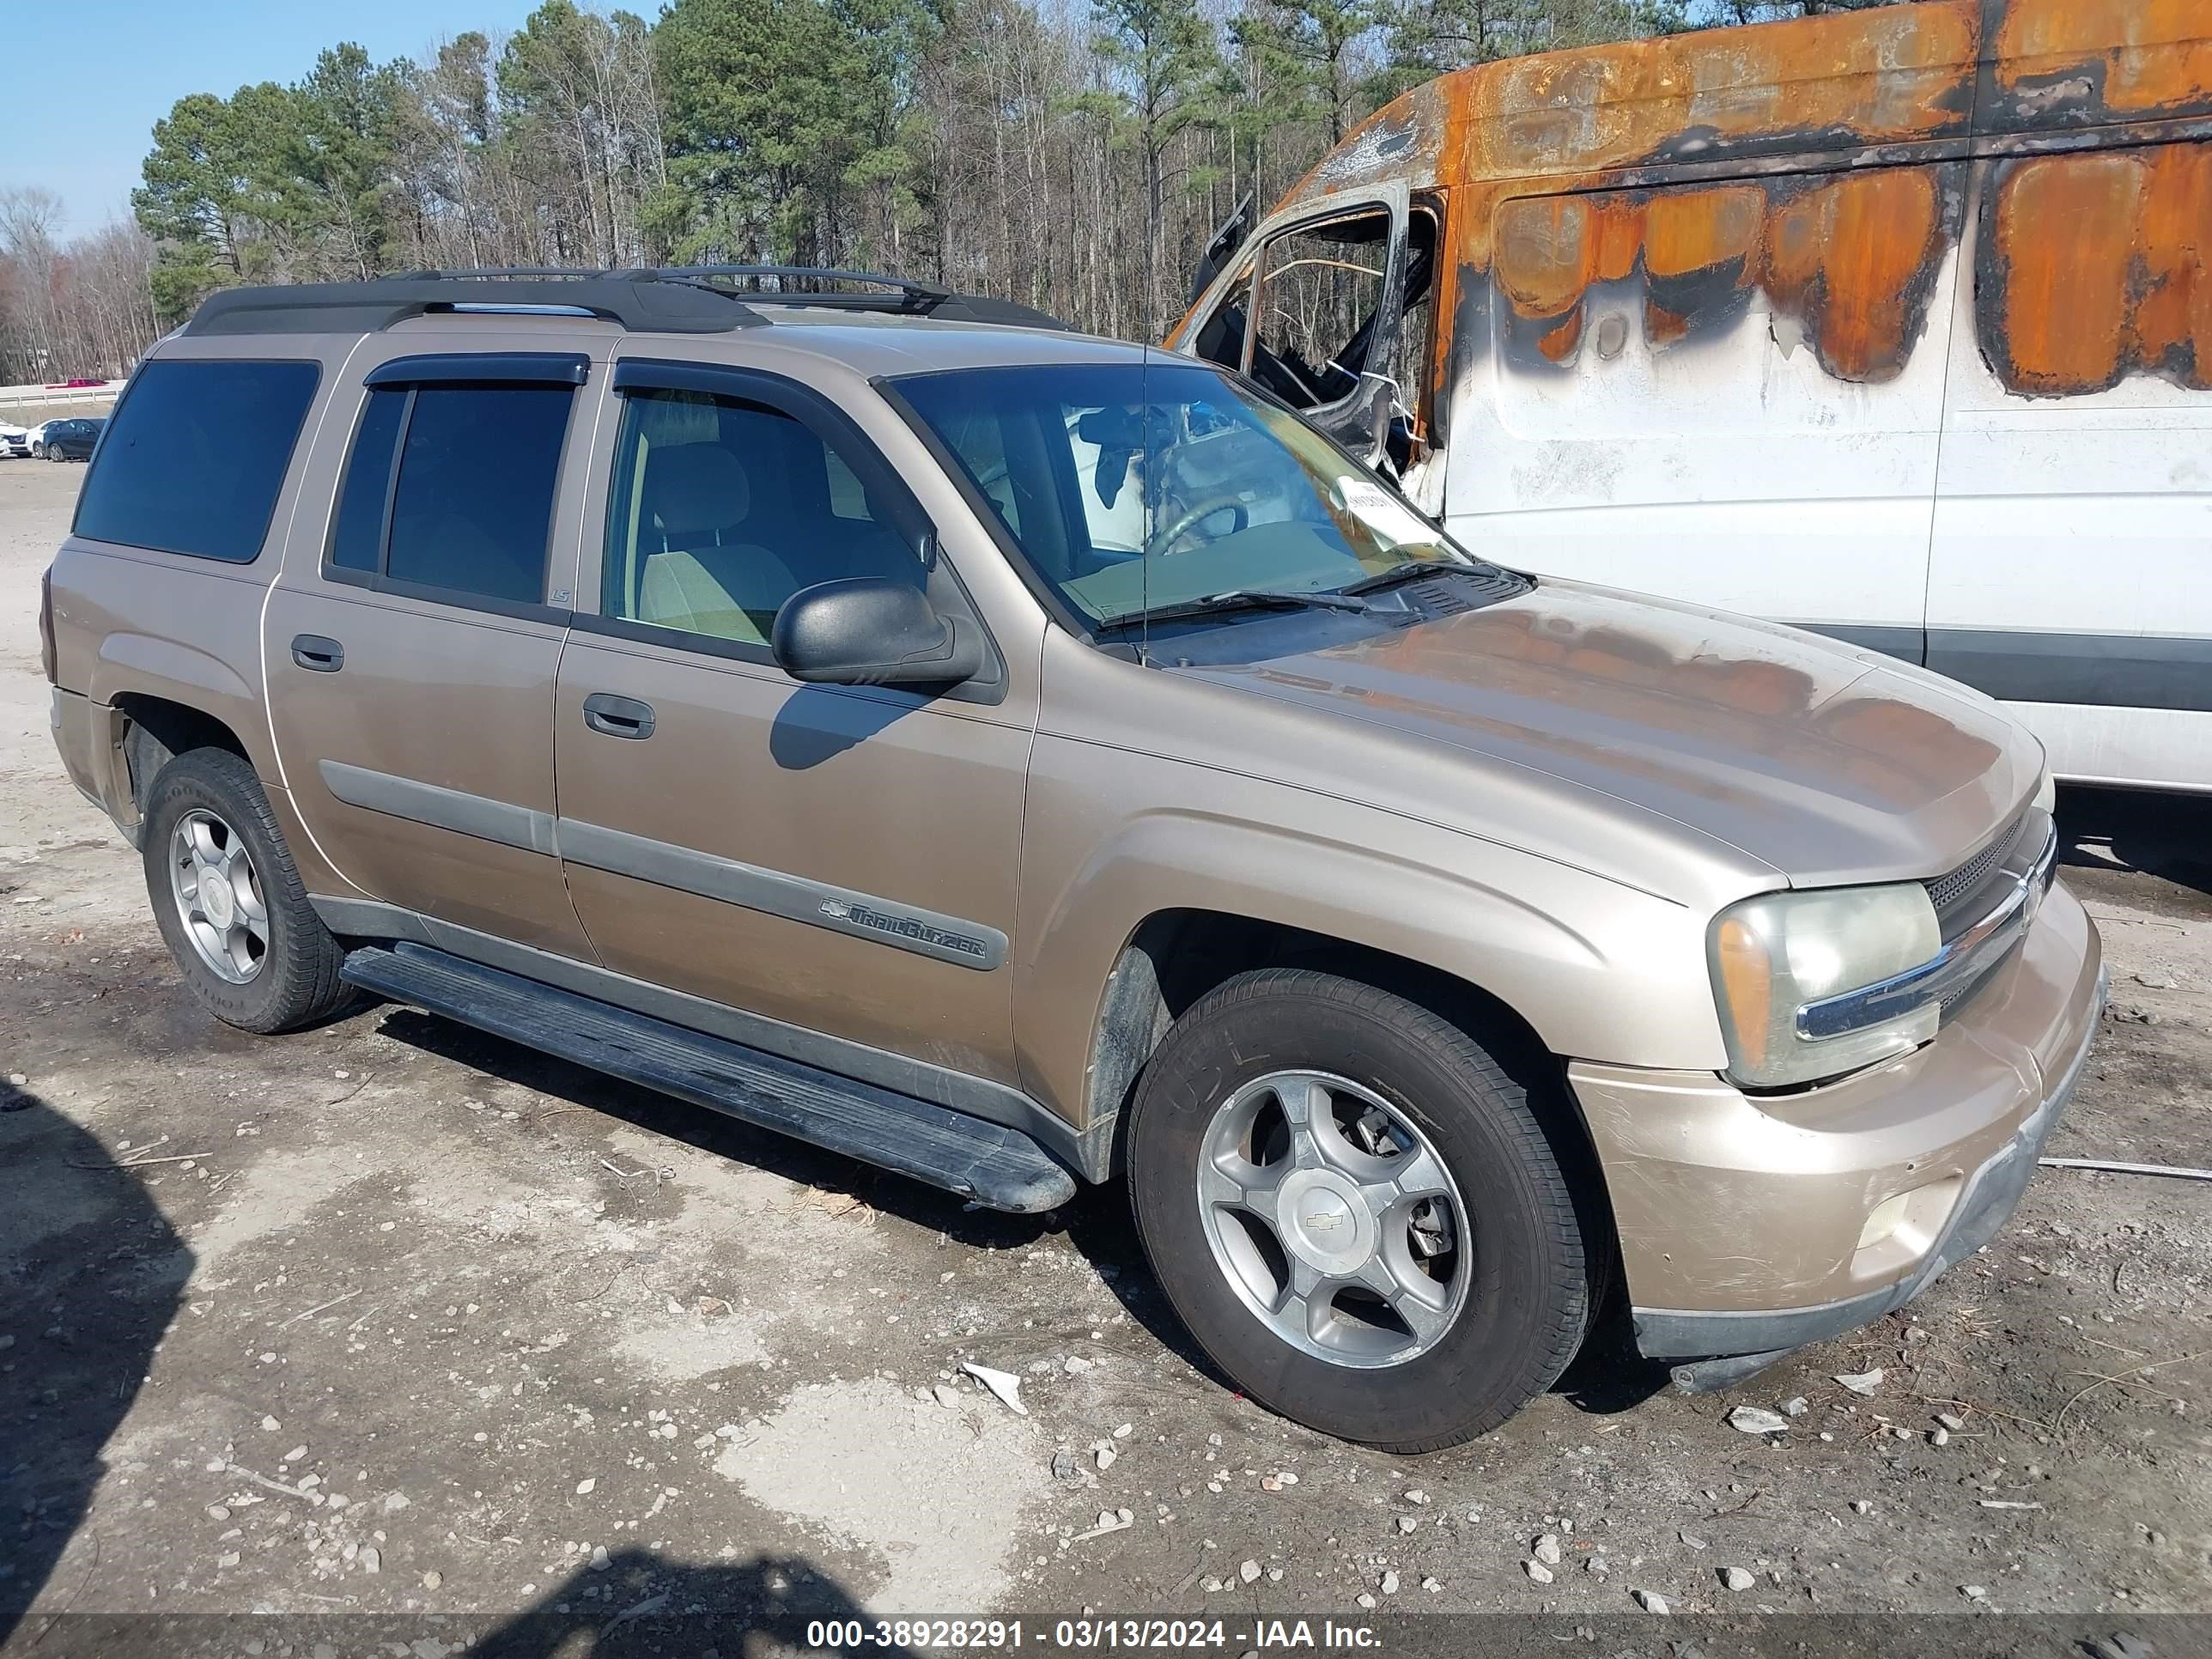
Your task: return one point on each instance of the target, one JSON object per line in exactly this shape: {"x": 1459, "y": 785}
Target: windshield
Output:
{"x": 1133, "y": 488}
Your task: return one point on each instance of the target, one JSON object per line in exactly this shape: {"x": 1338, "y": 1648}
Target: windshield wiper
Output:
{"x": 1236, "y": 599}
{"x": 1410, "y": 570}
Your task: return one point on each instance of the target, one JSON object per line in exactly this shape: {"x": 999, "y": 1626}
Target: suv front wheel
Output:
{"x": 229, "y": 901}
{"x": 1355, "y": 1210}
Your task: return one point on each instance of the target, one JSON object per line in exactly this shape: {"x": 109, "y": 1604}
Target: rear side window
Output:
{"x": 470, "y": 510}
{"x": 195, "y": 456}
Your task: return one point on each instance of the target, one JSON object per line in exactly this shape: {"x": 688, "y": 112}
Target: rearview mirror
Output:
{"x": 869, "y": 631}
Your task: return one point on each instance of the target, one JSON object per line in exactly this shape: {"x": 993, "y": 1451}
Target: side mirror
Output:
{"x": 869, "y": 631}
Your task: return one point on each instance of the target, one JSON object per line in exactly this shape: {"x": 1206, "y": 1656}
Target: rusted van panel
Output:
{"x": 1521, "y": 145}
{"x": 2126, "y": 292}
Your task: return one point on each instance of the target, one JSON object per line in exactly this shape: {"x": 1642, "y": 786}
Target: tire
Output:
{"x": 1519, "y": 1266}
{"x": 210, "y": 796}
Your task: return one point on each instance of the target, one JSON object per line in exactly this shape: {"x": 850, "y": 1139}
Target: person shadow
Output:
{"x": 91, "y": 1274}
{"x": 641, "y": 1602}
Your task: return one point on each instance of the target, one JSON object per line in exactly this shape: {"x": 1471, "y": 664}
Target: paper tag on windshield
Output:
{"x": 1383, "y": 513}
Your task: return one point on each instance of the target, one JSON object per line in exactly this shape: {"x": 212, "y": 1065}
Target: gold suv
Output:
{"x": 1017, "y": 760}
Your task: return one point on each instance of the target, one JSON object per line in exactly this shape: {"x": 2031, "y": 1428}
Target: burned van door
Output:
{"x": 1313, "y": 312}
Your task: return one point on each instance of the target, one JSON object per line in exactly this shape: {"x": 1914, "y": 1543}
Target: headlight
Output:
{"x": 1773, "y": 954}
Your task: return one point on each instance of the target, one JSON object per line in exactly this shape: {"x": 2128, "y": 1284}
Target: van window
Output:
{"x": 471, "y": 512}
{"x": 1320, "y": 289}
{"x": 1318, "y": 298}
{"x": 722, "y": 508}
{"x": 196, "y": 455}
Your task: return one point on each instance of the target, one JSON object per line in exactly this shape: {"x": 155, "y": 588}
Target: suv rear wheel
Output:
{"x": 229, "y": 901}
{"x": 1356, "y": 1211}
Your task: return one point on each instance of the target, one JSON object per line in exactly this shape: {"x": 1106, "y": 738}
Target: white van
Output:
{"x": 1894, "y": 325}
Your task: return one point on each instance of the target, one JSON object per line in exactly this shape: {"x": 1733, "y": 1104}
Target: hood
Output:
{"x": 1826, "y": 764}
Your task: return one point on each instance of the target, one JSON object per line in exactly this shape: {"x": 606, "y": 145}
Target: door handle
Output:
{"x": 618, "y": 717}
{"x": 316, "y": 654}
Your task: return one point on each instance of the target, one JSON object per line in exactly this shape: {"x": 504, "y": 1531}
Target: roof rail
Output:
{"x": 912, "y": 295}
{"x": 639, "y": 301}
{"x": 665, "y": 299}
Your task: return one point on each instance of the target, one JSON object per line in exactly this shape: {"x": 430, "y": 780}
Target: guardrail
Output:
{"x": 30, "y": 396}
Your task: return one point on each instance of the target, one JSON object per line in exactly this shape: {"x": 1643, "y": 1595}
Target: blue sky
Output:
{"x": 82, "y": 83}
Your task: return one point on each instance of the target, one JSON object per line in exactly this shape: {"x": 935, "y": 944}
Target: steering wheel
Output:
{"x": 1162, "y": 542}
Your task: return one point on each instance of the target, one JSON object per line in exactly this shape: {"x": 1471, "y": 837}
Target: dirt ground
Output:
{"x": 393, "y": 1319}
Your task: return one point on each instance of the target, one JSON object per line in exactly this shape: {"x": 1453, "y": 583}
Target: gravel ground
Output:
{"x": 391, "y": 1318}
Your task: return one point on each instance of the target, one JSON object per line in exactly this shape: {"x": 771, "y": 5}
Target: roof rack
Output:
{"x": 801, "y": 285}
{"x": 665, "y": 299}
{"x": 635, "y": 299}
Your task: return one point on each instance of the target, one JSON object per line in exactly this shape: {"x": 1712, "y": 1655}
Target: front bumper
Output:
{"x": 1739, "y": 1217}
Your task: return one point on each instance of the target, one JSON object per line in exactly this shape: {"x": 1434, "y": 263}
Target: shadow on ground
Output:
{"x": 91, "y": 1274}
{"x": 638, "y": 1603}
{"x": 2130, "y": 831}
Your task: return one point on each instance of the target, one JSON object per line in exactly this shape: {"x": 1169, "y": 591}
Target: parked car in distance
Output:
{"x": 1846, "y": 346}
{"x": 15, "y": 441}
{"x": 72, "y": 385}
{"x": 35, "y": 440}
{"x": 72, "y": 440}
{"x": 1430, "y": 948}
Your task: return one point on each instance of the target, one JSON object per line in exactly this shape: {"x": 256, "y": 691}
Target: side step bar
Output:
{"x": 998, "y": 1167}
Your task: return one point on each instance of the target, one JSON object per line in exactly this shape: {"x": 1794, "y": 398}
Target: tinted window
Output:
{"x": 199, "y": 453}
{"x": 357, "y": 537}
{"x": 474, "y": 503}
{"x": 722, "y": 509}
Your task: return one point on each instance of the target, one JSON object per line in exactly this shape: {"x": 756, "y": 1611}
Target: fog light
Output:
{"x": 1884, "y": 1220}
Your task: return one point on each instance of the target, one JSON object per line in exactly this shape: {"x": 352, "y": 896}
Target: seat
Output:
{"x": 703, "y": 577}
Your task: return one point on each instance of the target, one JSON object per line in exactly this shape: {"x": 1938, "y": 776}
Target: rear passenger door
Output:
{"x": 411, "y": 640}
{"x": 840, "y": 859}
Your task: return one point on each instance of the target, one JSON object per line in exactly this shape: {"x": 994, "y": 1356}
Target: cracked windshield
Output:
{"x": 1140, "y": 491}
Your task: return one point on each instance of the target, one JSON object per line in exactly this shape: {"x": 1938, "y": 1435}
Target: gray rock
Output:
{"x": 1756, "y": 1420}
{"x": 1249, "y": 1572}
{"x": 1691, "y": 1540}
{"x": 1796, "y": 1407}
{"x": 1862, "y": 1382}
{"x": 945, "y": 1394}
{"x": 1737, "y": 1578}
{"x": 1407, "y": 1523}
{"x": 1063, "y": 1465}
{"x": 371, "y": 1560}
{"x": 1651, "y": 1601}
{"x": 1537, "y": 1571}
{"x": 1390, "y": 1582}
{"x": 1546, "y": 1549}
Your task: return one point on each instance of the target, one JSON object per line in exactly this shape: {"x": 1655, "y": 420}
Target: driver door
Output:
{"x": 1326, "y": 308}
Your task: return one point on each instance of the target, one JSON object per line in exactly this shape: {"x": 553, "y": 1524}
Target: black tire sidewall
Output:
{"x": 295, "y": 979}
{"x": 1528, "y": 1303}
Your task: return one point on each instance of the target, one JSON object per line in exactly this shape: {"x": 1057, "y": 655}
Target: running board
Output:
{"x": 999, "y": 1168}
